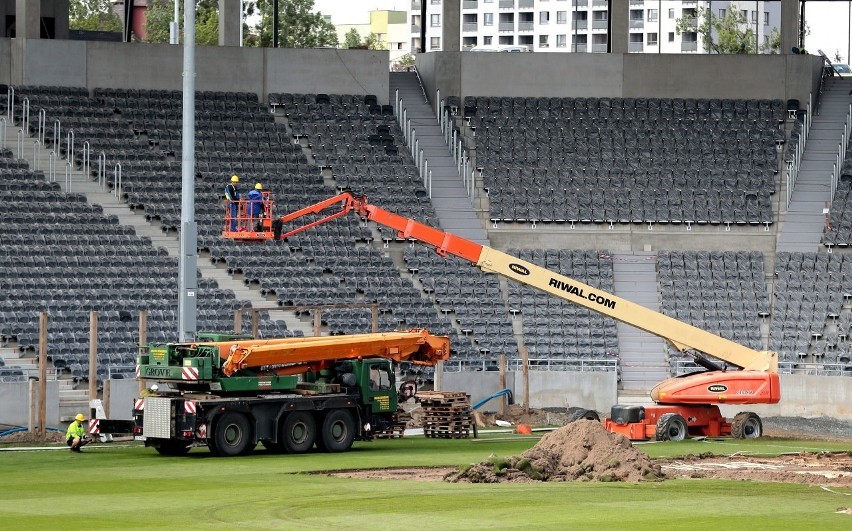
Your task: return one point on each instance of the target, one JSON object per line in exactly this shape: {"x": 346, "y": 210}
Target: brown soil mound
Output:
{"x": 50, "y": 436}
{"x": 580, "y": 451}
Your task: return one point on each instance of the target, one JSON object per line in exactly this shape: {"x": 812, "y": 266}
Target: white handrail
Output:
{"x": 57, "y": 136}
{"x": 69, "y": 146}
{"x": 116, "y": 182}
{"x": 2, "y": 132}
{"x": 87, "y": 162}
{"x": 102, "y": 170}
{"x": 20, "y": 144}
{"x": 51, "y": 166}
{"x": 36, "y": 154}
{"x": 25, "y": 116}
{"x": 67, "y": 177}
{"x": 10, "y": 104}
{"x": 42, "y": 124}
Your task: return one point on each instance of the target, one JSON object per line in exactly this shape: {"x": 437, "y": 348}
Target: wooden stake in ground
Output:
{"x": 42, "y": 373}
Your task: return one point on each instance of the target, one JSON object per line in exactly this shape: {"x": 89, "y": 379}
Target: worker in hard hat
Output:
{"x": 75, "y": 437}
{"x": 232, "y": 196}
{"x": 255, "y": 206}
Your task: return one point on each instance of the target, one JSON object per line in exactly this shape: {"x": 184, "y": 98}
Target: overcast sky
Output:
{"x": 828, "y": 21}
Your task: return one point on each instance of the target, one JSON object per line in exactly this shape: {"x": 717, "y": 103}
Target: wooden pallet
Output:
{"x": 400, "y": 421}
{"x": 446, "y": 414}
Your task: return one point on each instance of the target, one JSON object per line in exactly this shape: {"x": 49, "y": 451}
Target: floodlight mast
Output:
{"x": 188, "y": 259}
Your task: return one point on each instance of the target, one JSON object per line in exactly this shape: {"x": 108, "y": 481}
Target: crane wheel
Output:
{"x": 338, "y": 431}
{"x": 746, "y": 425}
{"x": 298, "y": 432}
{"x": 232, "y": 435}
{"x": 671, "y": 427}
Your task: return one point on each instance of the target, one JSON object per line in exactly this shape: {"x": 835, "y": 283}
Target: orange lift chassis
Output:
{"x": 685, "y": 405}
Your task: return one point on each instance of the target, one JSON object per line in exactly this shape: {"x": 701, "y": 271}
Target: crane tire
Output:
{"x": 671, "y": 427}
{"x": 298, "y": 432}
{"x": 232, "y": 435}
{"x": 746, "y": 425}
{"x": 338, "y": 431}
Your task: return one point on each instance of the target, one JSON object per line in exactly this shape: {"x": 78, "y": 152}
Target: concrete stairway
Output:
{"x": 803, "y": 224}
{"x": 643, "y": 362}
{"x": 95, "y": 194}
{"x": 449, "y": 198}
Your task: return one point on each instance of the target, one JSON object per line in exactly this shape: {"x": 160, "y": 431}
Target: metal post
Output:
{"x": 396, "y": 101}
{"x": 67, "y": 177}
{"x": 438, "y": 98}
{"x": 10, "y": 104}
{"x": 42, "y": 124}
{"x": 42, "y": 369}
{"x": 430, "y": 184}
{"x": 3, "y": 132}
{"x": 188, "y": 257}
{"x": 20, "y": 143}
{"x": 51, "y": 167}
{"x": 57, "y": 136}
{"x": 25, "y": 116}
{"x": 413, "y": 141}
{"x": 93, "y": 355}
{"x": 116, "y": 180}
{"x": 69, "y": 146}
{"x": 102, "y": 170}
{"x": 87, "y": 162}
{"x": 36, "y": 153}
{"x": 174, "y": 27}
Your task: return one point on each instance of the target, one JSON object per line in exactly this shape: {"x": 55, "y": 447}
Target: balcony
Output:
{"x": 689, "y": 46}
{"x": 525, "y": 3}
{"x": 600, "y": 24}
{"x": 579, "y": 48}
{"x": 634, "y": 47}
{"x": 507, "y": 4}
{"x": 470, "y": 26}
{"x": 415, "y": 28}
{"x": 580, "y": 24}
{"x": 580, "y": 3}
{"x": 599, "y": 48}
{"x": 600, "y": 3}
{"x": 637, "y": 23}
{"x": 525, "y": 26}
{"x": 415, "y": 5}
{"x": 470, "y": 4}
{"x": 638, "y": 3}
{"x": 506, "y": 26}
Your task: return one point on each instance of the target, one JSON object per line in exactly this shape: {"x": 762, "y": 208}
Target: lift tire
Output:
{"x": 583, "y": 414}
{"x": 232, "y": 435}
{"x": 172, "y": 447}
{"x": 746, "y": 425}
{"x": 671, "y": 427}
{"x": 298, "y": 432}
{"x": 338, "y": 431}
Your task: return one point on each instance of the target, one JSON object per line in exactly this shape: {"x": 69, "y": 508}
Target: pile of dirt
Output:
{"x": 50, "y": 436}
{"x": 580, "y": 451}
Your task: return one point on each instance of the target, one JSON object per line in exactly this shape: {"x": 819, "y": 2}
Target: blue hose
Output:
{"x": 501, "y": 392}
{"x": 16, "y": 430}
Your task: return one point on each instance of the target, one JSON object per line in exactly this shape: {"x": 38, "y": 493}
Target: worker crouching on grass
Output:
{"x": 75, "y": 437}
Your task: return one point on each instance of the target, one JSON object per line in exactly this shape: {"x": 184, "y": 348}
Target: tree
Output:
{"x": 298, "y": 25}
{"x": 352, "y": 39}
{"x": 93, "y": 15}
{"x": 160, "y": 15}
{"x": 724, "y": 35}
{"x": 406, "y": 60}
{"x": 373, "y": 42}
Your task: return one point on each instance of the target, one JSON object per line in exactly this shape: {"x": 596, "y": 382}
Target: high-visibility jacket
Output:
{"x": 75, "y": 431}
{"x": 231, "y": 193}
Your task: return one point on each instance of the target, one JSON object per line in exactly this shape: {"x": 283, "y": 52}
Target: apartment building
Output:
{"x": 583, "y": 25}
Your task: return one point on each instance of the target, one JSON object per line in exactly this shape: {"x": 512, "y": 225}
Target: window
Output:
{"x": 653, "y": 15}
{"x": 380, "y": 378}
{"x": 544, "y": 17}
{"x": 435, "y": 43}
{"x": 754, "y": 17}
{"x": 652, "y": 39}
{"x": 436, "y": 2}
{"x": 671, "y": 36}
{"x": 487, "y": 40}
{"x": 690, "y": 36}
{"x": 436, "y": 21}
{"x": 562, "y": 17}
{"x": 766, "y": 18}
{"x": 744, "y": 14}
{"x": 723, "y": 13}
{"x": 671, "y": 13}
{"x": 561, "y": 41}
{"x": 488, "y": 19}
{"x": 543, "y": 41}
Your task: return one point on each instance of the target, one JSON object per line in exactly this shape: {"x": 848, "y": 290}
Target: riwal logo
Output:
{"x": 519, "y": 269}
{"x": 717, "y": 388}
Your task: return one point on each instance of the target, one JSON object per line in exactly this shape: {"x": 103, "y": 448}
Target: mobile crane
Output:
{"x": 685, "y": 405}
{"x": 230, "y": 392}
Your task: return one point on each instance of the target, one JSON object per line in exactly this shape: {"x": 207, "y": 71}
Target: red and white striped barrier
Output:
{"x": 189, "y": 373}
{"x": 190, "y": 406}
{"x": 94, "y": 426}
{"x": 139, "y": 404}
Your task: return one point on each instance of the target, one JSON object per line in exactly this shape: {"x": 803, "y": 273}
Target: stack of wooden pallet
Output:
{"x": 446, "y": 414}
{"x": 400, "y": 421}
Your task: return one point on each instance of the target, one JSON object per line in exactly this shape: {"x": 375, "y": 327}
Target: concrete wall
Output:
{"x": 160, "y": 66}
{"x": 801, "y": 395}
{"x": 121, "y": 395}
{"x": 15, "y": 403}
{"x": 620, "y": 75}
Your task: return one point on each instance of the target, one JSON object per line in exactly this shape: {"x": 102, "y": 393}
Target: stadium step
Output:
{"x": 449, "y": 197}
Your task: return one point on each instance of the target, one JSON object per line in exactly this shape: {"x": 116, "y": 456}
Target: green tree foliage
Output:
{"x": 352, "y": 39}
{"x": 725, "y": 35}
{"x": 298, "y": 25}
{"x": 160, "y": 15}
{"x": 406, "y": 60}
{"x": 373, "y": 42}
{"x": 93, "y": 15}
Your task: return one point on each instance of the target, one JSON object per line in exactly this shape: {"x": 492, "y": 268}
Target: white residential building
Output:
{"x": 583, "y": 25}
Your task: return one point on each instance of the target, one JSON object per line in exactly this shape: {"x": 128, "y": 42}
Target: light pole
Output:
{"x": 174, "y": 27}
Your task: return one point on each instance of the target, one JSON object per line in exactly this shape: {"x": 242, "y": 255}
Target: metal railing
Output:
{"x": 460, "y": 154}
{"x": 102, "y": 177}
{"x": 841, "y": 152}
{"x": 10, "y": 104}
{"x": 535, "y": 364}
{"x": 116, "y": 180}
{"x": 801, "y": 143}
{"x": 2, "y": 132}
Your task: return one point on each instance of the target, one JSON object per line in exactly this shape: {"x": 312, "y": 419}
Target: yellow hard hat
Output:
{"x": 235, "y": 179}
{"x": 258, "y": 186}
{"x": 80, "y": 417}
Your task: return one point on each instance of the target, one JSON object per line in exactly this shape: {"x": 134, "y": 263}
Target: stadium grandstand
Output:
{"x": 715, "y": 190}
